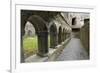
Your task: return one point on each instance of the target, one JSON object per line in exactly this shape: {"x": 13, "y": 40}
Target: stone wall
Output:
{"x": 84, "y": 35}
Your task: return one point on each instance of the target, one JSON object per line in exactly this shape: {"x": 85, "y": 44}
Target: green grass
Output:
{"x": 30, "y": 42}
{"x": 30, "y": 45}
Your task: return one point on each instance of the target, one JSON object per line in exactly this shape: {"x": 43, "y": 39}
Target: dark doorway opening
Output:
{"x": 73, "y": 21}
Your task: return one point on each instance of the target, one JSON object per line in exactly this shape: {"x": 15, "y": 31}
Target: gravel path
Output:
{"x": 73, "y": 51}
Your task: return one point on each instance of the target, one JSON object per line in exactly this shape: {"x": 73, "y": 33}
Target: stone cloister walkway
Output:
{"x": 74, "y": 50}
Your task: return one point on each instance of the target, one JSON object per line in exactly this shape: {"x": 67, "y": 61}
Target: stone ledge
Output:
{"x": 35, "y": 58}
{"x": 52, "y": 55}
{"x": 58, "y": 51}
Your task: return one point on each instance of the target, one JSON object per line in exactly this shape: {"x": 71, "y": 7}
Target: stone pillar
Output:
{"x": 64, "y": 36}
{"x": 42, "y": 43}
{"x": 59, "y": 38}
{"x": 53, "y": 40}
{"x": 23, "y": 21}
{"x": 22, "y": 51}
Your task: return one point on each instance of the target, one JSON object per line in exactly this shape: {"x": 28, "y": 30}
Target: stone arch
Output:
{"x": 42, "y": 34}
{"x": 39, "y": 23}
{"x": 60, "y": 35}
{"x": 53, "y": 36}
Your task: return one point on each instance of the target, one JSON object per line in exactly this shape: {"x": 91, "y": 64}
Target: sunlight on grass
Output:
{"x": 30, "y": 45}
{"x": 30, "y": 42}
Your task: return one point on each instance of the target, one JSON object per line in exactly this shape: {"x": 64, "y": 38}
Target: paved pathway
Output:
{"x": 73, "y": 51}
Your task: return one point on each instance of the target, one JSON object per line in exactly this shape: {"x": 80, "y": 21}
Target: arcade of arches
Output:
{"x": 45, "y": 24}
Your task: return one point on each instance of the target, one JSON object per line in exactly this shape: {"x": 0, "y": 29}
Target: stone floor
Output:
{"x": 74, "y": 50}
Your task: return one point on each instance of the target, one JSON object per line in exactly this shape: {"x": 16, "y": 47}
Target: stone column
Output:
{"x": 53, "y": 40}
{"x": 23, "y": 21}
{"x": 59, "y": 38}
{"x": 64, "y": 36}
{"x": 22, "y": 51}
{"x": 42, "y": 43}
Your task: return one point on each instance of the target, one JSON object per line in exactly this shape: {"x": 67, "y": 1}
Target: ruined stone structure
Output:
{"x": 80, "y": 22}
{"x": 59, "y": 25}
{"x": 45, "y": 23}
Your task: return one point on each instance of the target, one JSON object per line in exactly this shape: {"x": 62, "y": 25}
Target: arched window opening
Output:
{"x": 30, "y": 45}
{"x": 53, "y": 36}
{"x": 36, "y": 34}
{"x": 74, "y": 21}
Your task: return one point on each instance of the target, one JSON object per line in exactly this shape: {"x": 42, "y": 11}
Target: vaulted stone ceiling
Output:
{"x": 46, "y": 15}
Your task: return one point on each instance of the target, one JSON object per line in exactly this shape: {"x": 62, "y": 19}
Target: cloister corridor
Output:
{"x": 55, "y": 36}
{"x": 74, "y": 50}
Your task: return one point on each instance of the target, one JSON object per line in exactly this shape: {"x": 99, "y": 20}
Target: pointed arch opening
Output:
{"x": 53, "y": 36}
{"x": 60, "y": 35}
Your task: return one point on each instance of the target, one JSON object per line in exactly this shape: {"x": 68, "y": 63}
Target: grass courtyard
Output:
{"x": 30, "y": 45}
